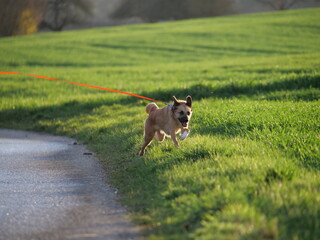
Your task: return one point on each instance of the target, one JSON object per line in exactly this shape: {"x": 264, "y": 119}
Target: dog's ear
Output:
{"x": 189, "y": 101}
{"x": 175, "y": 101}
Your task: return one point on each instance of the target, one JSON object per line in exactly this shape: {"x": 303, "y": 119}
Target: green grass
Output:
{"x": 250, "y": 167}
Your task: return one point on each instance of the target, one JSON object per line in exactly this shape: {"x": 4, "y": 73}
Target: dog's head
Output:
{"x": 182, "y": 110}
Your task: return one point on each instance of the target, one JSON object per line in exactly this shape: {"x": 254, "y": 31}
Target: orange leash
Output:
{"x": 85, "y": 85}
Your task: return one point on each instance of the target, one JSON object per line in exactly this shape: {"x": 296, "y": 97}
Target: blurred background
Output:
{"x": 19, "y": 17}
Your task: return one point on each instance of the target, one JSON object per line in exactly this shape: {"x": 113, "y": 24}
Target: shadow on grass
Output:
{"x": 55, "y": 64}
{"x": 140, "y": 47}
{"x": 239, "y": 50}
{"x": 144, "y": 183}
{"x": 234, "y": 89}
{"x": 139, "y": 178}
{"x": 197, "y": 91}
{"x": 240, "y": 68}
{"x": 31, "y": 117}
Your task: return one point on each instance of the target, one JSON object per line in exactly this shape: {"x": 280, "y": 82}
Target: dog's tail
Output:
{"x": 151, "y": 107}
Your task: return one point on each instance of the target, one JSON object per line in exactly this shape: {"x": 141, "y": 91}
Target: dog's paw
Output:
{"x": 184, "y": 135}
{"x": 140, "y": 153}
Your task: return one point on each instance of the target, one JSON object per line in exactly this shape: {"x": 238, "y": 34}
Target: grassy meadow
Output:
{"x": 250, "y": 166}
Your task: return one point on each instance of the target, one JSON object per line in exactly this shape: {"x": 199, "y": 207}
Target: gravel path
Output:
{"x": 53, "y": 188}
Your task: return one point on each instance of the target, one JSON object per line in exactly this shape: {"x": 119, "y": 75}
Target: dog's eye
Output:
{"x": 181, "y": 112}
{"x": 188, "y": 113}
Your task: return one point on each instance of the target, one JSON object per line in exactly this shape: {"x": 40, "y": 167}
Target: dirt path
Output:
{"x": 50, "y": 189}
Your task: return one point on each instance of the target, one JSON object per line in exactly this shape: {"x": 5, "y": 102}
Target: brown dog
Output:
{"x": 167, "y": 121}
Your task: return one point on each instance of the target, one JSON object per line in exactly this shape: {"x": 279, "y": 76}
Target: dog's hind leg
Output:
{"x": 147, "y": 140}
{"x": 160, "y": 136}
{"x": 148, "y": 136}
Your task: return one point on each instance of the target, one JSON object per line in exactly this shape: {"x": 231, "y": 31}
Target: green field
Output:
{"x": 250, "y": 167}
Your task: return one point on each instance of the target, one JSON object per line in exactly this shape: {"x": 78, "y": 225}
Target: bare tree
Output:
{"x": 283, "y": 4}
{"x": 155, "y": 10}
{"x": 59, "y": 13}
{"x": 19, "y": 17}
{"x": 208, "y": 8}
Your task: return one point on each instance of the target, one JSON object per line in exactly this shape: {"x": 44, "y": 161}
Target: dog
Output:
{"x": 167, "y": 121}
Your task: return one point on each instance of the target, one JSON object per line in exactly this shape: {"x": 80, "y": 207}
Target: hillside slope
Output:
{"x": 250, "y": 167}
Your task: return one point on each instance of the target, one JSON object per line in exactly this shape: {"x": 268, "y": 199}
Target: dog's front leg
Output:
{"x": 184, "y": 133}
{"x": 174, "y": 139}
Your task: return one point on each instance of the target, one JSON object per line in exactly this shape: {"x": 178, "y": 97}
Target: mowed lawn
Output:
{"x": 250, "y": 169}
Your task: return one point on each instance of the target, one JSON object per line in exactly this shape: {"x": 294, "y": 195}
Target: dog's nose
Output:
{"x": 184, "y": 119}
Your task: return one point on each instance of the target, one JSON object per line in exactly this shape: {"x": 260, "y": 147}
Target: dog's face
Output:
{"x": 182, "y": 110}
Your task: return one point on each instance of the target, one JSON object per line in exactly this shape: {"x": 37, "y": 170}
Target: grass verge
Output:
{"x": 250, "y": 168}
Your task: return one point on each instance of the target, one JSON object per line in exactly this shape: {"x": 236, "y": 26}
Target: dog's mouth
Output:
{"x": 184, "y": 122}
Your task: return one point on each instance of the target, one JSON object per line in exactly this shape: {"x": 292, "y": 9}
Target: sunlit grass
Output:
{"x": 250, "y": 167}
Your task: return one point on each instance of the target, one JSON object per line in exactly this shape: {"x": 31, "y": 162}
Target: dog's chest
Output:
{"x": 164, "y": 121}
{"x": 168, "y": 128}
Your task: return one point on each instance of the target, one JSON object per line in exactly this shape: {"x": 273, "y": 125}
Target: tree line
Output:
{"x": 19, "y": 17}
